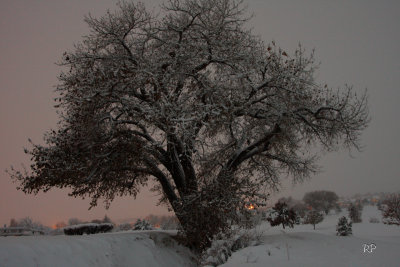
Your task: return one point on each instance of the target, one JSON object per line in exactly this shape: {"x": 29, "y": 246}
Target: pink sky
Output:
{"x": 356, "y": 41}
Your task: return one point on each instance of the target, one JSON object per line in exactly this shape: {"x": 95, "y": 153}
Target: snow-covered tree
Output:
{"x": 282, "y": 214}
{"x": 298, "y": 205}
{"x": 391, "y": 209}
{"x": 194, "y": 101}
{"x": 313, "y": 217}
{"x": 354, "y": 213}
{"x": 344, "y": 227}
{"x": 142, "y": 225}
{"x": 321, "y": 200}
{"x": 27, "y": 222}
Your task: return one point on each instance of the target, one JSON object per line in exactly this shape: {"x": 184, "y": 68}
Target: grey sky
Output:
{"x": 357, "y": 42}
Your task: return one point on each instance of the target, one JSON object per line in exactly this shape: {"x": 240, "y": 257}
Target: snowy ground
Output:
{"x": 140, "y": 248}
{"x": 303, "y": 246}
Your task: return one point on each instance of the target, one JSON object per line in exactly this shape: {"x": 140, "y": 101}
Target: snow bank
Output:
{"x": 152, "y": 249}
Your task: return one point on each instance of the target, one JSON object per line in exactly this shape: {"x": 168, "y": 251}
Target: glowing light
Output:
{"x": 251, "y": 207}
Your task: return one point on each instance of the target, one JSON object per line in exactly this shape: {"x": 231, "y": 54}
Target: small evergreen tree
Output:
{"x": 313, "y": 217}
{"x": 355, "y": 213}
{"x": 281, "y": 214}
{"x": 343, "y": 228}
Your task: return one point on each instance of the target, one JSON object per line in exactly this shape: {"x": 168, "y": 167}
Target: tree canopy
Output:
{"x": 321, "y": 200}
{"x": 195, "y": 101}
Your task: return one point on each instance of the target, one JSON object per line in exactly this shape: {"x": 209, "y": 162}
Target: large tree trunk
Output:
{"x": 200, "y": 223}
{"x": 205, "y": 213}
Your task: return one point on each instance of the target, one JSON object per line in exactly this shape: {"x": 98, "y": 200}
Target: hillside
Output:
{"x": 321, "y": 247}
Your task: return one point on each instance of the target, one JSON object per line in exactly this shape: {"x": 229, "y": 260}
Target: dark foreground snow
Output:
{"x": 139, "y": 248}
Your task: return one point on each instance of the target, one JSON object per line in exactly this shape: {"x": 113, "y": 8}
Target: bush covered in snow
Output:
{"x": 142, "y": 225}
{"x": 373, "y": 220}
{"x": 391, "y": 209}
{"x": 88, "y": 228}
{"x": 344, "y": 227}
{"x": 223, "y": 246}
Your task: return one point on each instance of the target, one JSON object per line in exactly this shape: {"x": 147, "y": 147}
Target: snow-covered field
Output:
{"x": 301, "y": 246}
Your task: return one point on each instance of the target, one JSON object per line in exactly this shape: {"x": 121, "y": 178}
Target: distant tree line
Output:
{"x": 27, "y": 222}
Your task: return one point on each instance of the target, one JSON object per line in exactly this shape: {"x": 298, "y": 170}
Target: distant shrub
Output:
{"x": 88, "y": 228}
{"x": 125, "y": 227}
{"x": 373, "y": 220}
